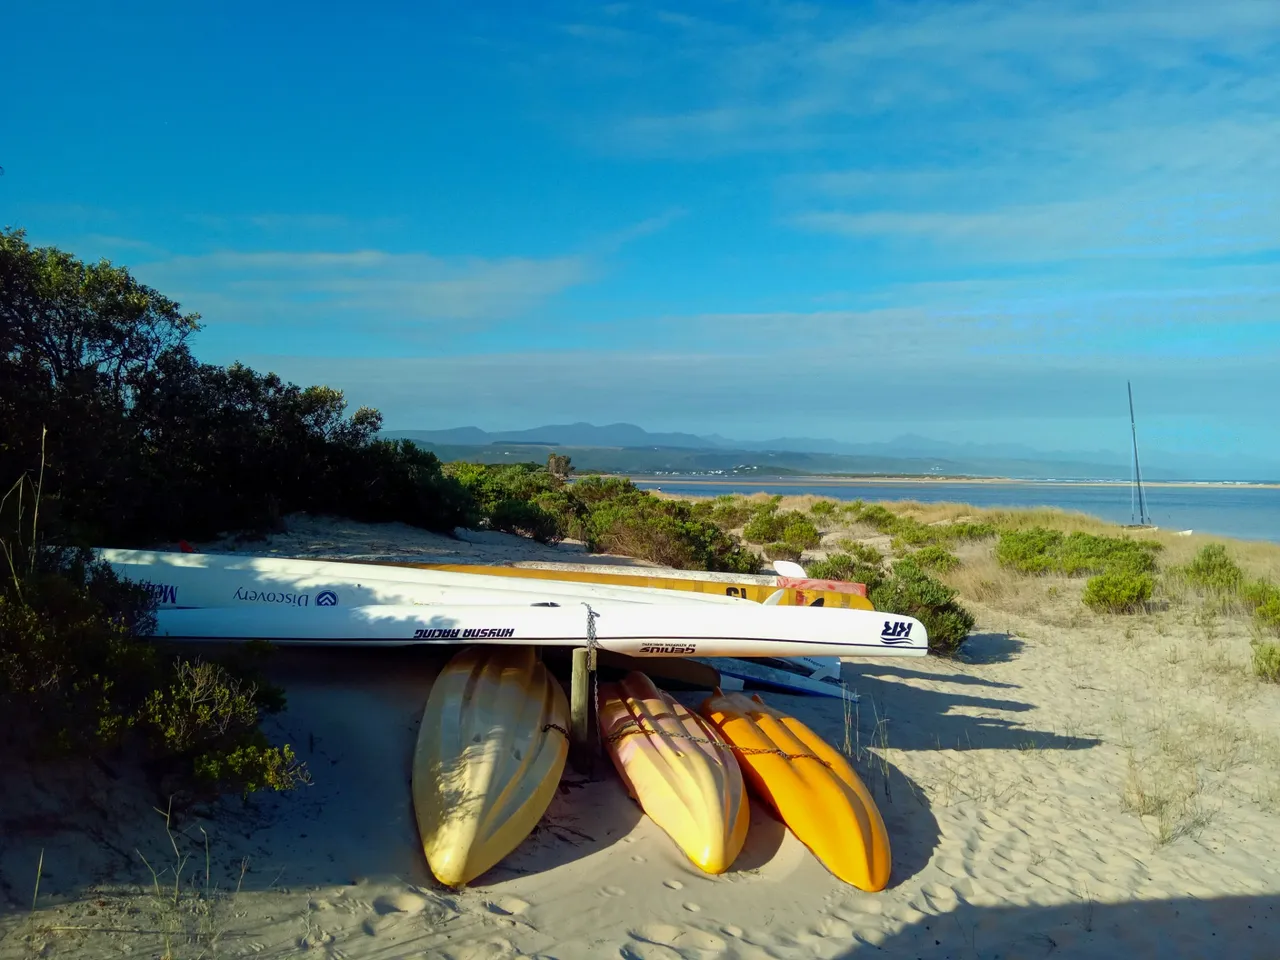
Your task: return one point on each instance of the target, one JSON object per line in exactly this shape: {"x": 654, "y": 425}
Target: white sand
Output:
{"x": 1005, "y": 798}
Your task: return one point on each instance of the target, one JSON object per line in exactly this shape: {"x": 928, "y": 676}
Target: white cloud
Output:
{"x": 281, "y": 285}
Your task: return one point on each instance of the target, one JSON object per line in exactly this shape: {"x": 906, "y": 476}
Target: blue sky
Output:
{"x": 970, "y": 220}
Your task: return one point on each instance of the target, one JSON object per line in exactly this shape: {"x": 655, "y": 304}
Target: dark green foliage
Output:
{"x": 147, "y": 444}
{"x": 1039, "y": 550}
{"x": 914, "y": 593}
{"x": 1121, "y": 590}
{"x": 75, "y": 680}
{"x": 509, "y": 498}
{"x": 936, "y": 557}
{"x": 669, "y": 532}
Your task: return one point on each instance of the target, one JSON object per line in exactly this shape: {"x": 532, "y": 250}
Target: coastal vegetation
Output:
{"x": 113, "y": 433}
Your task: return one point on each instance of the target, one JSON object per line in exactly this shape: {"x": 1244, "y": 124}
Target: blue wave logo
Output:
{"x": 896, "y": 633}
{"x": 326, "y": 598}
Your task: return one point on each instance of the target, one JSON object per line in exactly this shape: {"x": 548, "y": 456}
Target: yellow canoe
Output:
{"x": 758, "y": 589}
{"x": 810, "y": 786}
{"x": 677, "y": 768}
{"x": 490, "y": 751}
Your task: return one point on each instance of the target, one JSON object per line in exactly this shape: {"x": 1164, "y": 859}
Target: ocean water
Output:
{"x": 1228, "y": 510}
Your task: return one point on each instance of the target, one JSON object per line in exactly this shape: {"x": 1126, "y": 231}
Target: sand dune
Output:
{"x": 1073, "y": 786}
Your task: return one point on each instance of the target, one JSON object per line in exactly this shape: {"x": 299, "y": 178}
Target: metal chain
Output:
{"x": 624, "y": 732}
{"x": 555, "y": 726}
{"x": 592, "y": 647}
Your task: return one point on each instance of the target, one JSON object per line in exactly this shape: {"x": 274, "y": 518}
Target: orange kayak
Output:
{"x": 677, "y": 768}
{"x": 810, "y": 786}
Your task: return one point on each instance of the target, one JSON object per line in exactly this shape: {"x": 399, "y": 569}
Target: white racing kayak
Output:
{"x": 636, "y": 629}
{"x": 187, "y": 580}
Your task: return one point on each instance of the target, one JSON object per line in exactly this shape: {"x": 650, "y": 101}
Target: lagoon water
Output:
{"x": 1228, "y": 510}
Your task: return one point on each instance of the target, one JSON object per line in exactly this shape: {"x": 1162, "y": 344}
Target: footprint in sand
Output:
{"x": 496, "y": 948}
{"x": 613, "y": 891}
{"x": 660, "y": 941}
{"x": 405, "y": 902}
{"x": 692, "y": 907}
{"x": 507, "y": 906}
{"x": 673, "y": 884}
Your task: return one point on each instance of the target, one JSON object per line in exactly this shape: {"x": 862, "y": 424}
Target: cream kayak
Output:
{"x": 490, "y": 751}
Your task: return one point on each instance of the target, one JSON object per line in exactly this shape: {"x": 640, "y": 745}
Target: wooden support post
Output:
{"x": 583, "y": 740}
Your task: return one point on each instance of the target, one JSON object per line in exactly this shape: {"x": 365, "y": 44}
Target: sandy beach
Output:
{"x": 1073, "y": 785}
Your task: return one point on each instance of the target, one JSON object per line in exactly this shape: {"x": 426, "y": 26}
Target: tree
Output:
{"x": 558, "y": 466}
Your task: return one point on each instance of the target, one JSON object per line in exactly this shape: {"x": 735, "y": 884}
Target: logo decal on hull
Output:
{"x": 470, "y": 633}
{"x": 678, "y": 649}
{"x": 162, "y": 592}
{"x": 896, "y": 632}
{"x": 273, "y": 596}
{"x": 326, "y": 598}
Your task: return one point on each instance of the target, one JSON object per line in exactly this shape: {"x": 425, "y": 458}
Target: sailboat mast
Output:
{"x": 1137, "y": 470}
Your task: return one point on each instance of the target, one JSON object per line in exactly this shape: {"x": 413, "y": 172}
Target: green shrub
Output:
{"x": 526, "y": 519}
{"x": 782, "y": 551}
{"x": 854, "y": 568}
{"x": 1039, "y": 550}
{"x": 1213, "y": 570}
{"x": 729, "y": 512}
{"x": 801, "y": 533}
{"x": 1267, "y": 613}
{"x": 74, "y": 680}
{"x": 764, "y": 526}
{"x": 908, "y": 532}
{"x": 912, "y": 592}
{"x": 824, "y": 510}
{"x": 1266, "y": 660}
{"x": 1028, "y": 551}
{"x": 1119, "y": 591}
{"x": 1262, "y": 598}
{"x": 862, "y": 552}
{"x": 666, "y": 532}
{"x": 936, "y": 557}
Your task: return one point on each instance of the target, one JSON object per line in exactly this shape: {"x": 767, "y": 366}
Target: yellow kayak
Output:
{"x": 677, "y": 768}
{"x": 810, "y": 786}
{"x": 795, "y": 593}
{"x": 490, "y": 751}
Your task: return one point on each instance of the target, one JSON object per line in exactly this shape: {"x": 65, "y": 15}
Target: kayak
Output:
{"x": 757, "y": 588}
{"x": 808, "y": 784}
{"x": 183, "y": 580}
{"x": 637, "y": 629}
{"x": 490, "y": 751}
{"x": 677, "y": 768}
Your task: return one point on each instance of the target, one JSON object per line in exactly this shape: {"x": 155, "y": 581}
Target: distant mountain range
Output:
{"x": 629, "y": 448}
